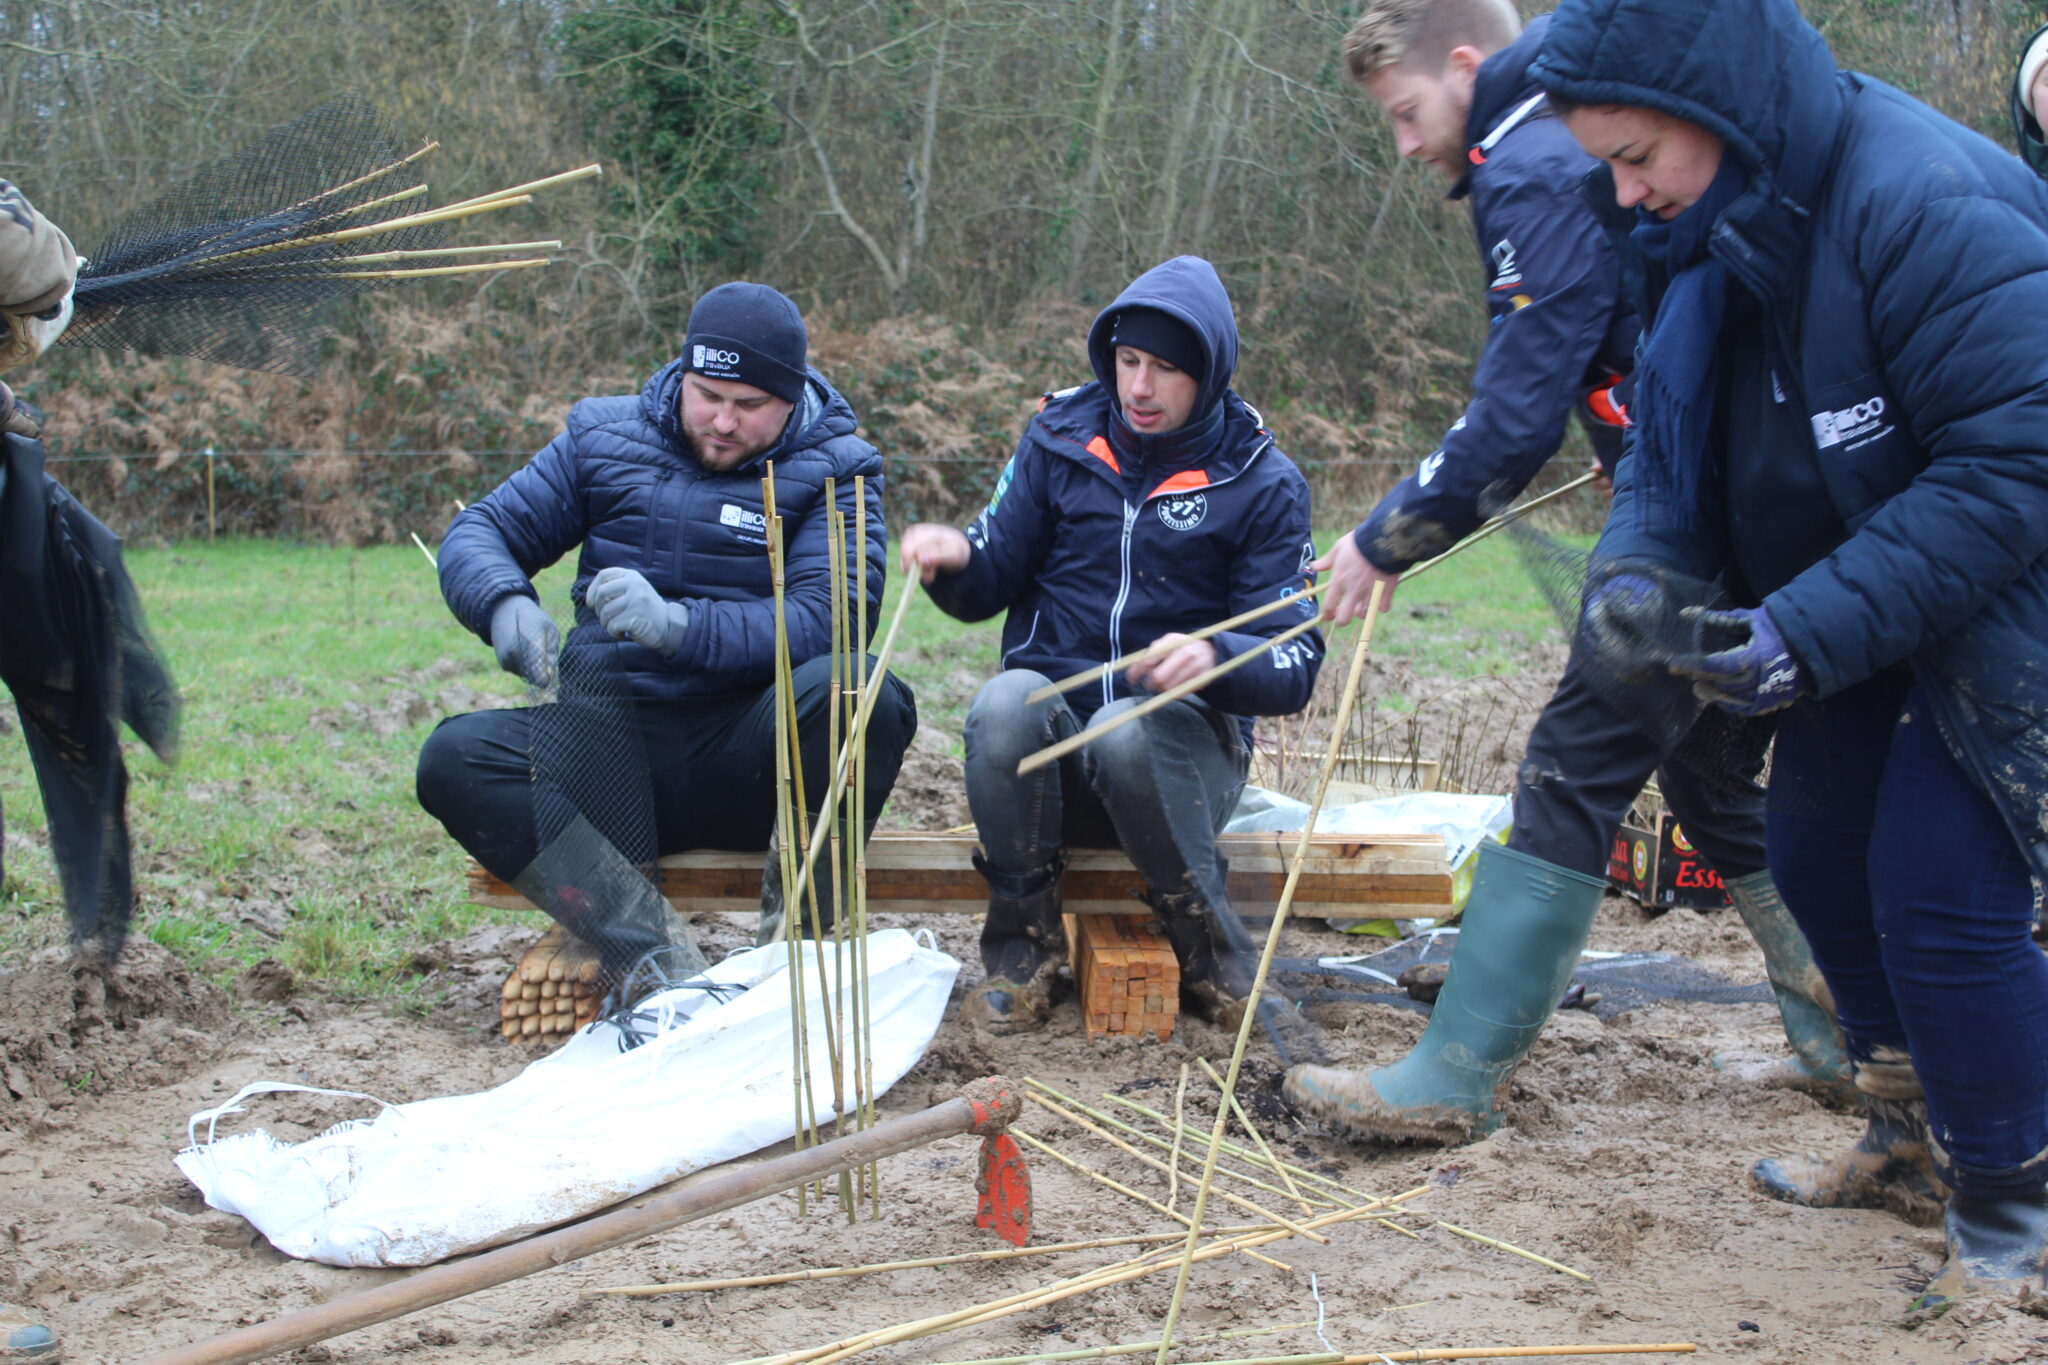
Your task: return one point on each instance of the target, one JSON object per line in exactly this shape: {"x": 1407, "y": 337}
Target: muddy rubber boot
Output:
{"x": 1891, "y": 1167}
{"x": 1022, "y": 946}
{"x": 1214, "y": 979}
{"x": 1525, "y": 923}
{"x": 1997, "y": 1245}
{"x": 593, "y": 892}
{"x": 1805, "y": 1004}
{"x": 24, "y": 1337}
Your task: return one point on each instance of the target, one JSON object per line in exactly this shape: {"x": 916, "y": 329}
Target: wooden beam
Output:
{"x": 1346, "y": 876}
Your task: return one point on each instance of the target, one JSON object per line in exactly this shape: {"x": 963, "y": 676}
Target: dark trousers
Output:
{"x": 1919, "y": 907}
{"x": 1160, "y": 788}
{"x": 710, "y": 763}
{"x": 1587, "y": 761}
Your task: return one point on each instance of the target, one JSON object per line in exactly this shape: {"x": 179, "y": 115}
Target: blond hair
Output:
{"x": 1418, "y": 35}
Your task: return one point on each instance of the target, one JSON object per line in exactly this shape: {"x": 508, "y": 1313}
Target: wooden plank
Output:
{"x": 1344, "y": 876}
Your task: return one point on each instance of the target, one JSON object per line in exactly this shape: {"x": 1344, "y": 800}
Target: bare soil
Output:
{"x": 1625, "y": 1158}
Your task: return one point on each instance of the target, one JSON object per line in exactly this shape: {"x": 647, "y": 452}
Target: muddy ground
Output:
{"x": 1624, "y": 1158}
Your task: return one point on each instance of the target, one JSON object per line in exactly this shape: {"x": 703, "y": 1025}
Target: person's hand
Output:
{"x": 628, "y": 606}
{"x": 1351, "y": 578}
{"x": 1178, "y": 659}
{"x": 525, "y": 639}
{"x": 1603, "y": 479}
{"x": 1756, "y": 676}
{"x": 929, "y": 549}
{"x": 1628, "y": 620}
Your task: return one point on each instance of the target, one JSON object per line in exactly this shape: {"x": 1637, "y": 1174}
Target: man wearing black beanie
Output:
{"x": 660, "y": 495}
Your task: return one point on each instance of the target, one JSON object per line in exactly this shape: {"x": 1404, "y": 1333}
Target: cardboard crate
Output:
{"x": 1128, "y": 976}
{"x": 1654, "y": 863}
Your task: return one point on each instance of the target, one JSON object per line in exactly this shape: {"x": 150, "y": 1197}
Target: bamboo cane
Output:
{"x": 1087, "y": 1172}
{"x": 1053, "y": 752}
{"x": 1088, "y": 675}
{"x": 1514, "y": 1250}
{"x": 1131, "y": 1348}
{"x": 426, "y": 150}
{"x": 425, "y": 551}
{"x": 844, "y": 1272}
{"x": 424, "y": 218}
{"x": 423, "y": 272}
{"x": 1061, "y": 1111}
{"x": 1245, "y": 1121}
{"x": 531, "y": 186}
{"x": 1244, "y": 1028}
{"x": 1117, "y": 1273}
{"x": 841, "y": 985}
{"x": 857, "y": 784}
{"x": 379, "y": 257}
{"x": 1180, "y": 1099}
{"x": 697, "y": 1197}
{"x": 1464, "y": 1353}
{"x": 1240, "y": 1152}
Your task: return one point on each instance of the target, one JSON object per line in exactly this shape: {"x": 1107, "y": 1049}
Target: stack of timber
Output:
{"x": 1128, "y": 977}
{"x": 1345, "y": 876}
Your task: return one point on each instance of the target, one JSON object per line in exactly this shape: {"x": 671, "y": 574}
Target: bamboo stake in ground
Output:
{"x": 1052, "y": 752}
{"x": 844, "y": 1272}
{"x": 1244, "y": 1028}
{"x": 1153, "y": 651}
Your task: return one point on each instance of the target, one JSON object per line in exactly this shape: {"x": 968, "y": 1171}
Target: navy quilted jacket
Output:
{"x": 1098, "y": 540}
{"x": 1882, "y": 479}
{"x": 622, "y": 482}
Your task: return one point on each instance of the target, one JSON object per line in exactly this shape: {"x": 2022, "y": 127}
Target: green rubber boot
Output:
{"x": 1524, "y": 926}
{"x": 1805, "y": 1004}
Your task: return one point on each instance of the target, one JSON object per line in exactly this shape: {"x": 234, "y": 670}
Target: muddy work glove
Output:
{"x": 1755, "y": 674}
{"x": 628, "y": 606}
{"x": 525, "y": 639}
{"x": 1629, "y": 623}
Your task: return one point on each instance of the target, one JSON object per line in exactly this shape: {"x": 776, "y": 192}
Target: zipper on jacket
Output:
{"x": 1123, "y": 593}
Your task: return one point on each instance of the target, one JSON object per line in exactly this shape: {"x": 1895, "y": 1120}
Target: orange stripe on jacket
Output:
{"x": 1099, "y": 448}
{"x": 1184, "y": 482}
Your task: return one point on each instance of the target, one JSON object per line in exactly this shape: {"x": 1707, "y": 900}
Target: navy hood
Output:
{"x": 1187, "y": 288}
{"x": 2026, "y": 129}
{"x": 1753, "y": 72}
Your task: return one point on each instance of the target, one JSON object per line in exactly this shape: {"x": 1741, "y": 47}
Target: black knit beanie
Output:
{"x": 1164, "y": 335}
{"x": 751, "y": 334}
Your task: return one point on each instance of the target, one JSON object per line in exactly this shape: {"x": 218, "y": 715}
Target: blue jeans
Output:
{"x": 1919, "y": 908}
{"x": 1160, "y": 788}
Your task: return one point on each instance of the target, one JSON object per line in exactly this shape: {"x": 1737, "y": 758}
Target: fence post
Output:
{"x": 210, "y": 528}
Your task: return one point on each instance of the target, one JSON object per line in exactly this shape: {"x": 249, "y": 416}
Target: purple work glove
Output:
{"x": 1756, "y": 676}
{"x": 1625, "y": 616}
{"x": 628, "y": 606}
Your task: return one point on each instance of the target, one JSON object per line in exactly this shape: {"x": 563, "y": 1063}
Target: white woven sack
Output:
{"x": 573, "y": 1133}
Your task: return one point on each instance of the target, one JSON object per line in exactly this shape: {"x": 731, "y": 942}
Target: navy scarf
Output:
{"x": 1680, "y": 371}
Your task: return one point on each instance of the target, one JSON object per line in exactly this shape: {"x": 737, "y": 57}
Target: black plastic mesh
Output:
{"x": 1620, "y": 981}
{"x": 222, "y": 267}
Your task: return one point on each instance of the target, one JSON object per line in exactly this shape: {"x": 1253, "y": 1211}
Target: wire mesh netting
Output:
{"x": 245, "y": 262}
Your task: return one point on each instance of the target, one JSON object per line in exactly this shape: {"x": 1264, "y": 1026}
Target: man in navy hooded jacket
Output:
{"x": 1453, "y": 77}
{"x": 660, "y": 493}
{"x": 1149, "y": 503}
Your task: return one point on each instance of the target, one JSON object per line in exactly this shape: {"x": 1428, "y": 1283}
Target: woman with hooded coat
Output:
{"x": 2030, "y": 101}
{"x": 1842, "y": 418}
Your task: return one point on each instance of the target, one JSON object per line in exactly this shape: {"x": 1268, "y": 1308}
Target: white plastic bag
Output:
{"x": 573, "y": 1133}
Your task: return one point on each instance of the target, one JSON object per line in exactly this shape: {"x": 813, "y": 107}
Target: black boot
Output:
{"x": 1023, "y": 944}
{"x": 1891, "y": 1167}
{"x": 1997, "y": 1237}
{"x": 1215, "y": 979}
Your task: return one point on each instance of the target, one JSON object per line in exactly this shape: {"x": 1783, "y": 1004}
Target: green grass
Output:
{"x": 312, "y": 674}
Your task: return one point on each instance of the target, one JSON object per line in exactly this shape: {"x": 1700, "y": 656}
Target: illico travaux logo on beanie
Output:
{"x": 750, "y": 334}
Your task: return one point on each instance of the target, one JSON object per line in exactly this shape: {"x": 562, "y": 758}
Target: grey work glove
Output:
{"x": 628, "y": 606}
{"x": 526, "y": 639}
